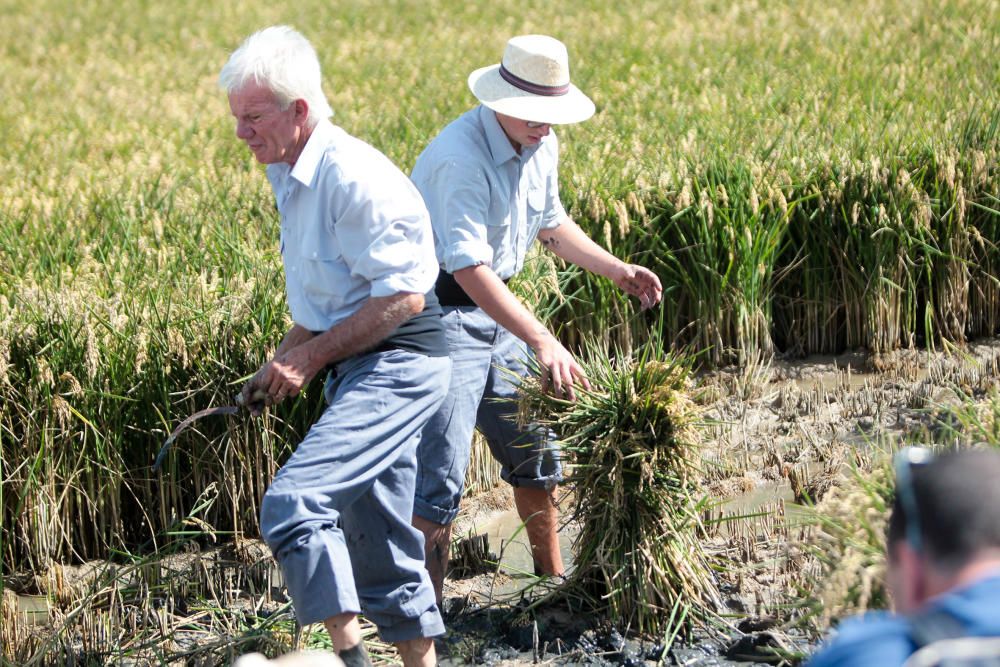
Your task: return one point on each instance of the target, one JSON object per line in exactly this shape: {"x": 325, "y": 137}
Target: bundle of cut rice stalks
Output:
{"x": 633, "y": 445}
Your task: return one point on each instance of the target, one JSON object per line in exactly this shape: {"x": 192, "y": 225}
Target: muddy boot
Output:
{"x": 355, "y": 656}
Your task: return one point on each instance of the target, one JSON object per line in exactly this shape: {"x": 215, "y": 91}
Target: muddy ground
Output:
{"x": 776, "y": 434}
{"x": 780, "y": 435}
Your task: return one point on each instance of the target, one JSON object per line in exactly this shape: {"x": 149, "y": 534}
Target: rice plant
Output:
{"x": 863, "y": 249}
{"x": 718, "y": 243}
{"x": 844, "y": 569}
{"x": 95, "y": 379}
{"x": 633, "y": 448}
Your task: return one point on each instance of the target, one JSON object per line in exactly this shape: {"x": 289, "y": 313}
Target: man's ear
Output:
{"x": 910, "y": 577}
{"x": 301, "y": 111}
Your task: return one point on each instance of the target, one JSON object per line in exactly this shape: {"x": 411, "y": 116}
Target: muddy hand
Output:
{"x": 640, "y": 282}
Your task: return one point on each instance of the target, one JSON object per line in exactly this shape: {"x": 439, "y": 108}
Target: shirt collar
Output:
{"x": 500, "y": 146}
{"x": 305, "y": 167}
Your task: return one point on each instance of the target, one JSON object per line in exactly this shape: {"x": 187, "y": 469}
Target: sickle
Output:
{"x": 257, "y": 398}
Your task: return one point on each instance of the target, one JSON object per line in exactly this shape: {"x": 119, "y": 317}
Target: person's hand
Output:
{"x": 560, "y": 371}
{"x": 639, "y": 282}
{"x": 253, "y": 395}
{"x": 253, "y": 399}
{"x": 283, "y": 376}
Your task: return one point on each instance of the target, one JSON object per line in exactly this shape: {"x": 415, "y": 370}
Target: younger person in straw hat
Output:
{"x": 490, "y": 181}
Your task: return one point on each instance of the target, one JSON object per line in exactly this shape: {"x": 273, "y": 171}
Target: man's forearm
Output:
{"x": 491, "y": 294}
{"x": 569, "y": 242}
{"x": 302, "y": 355}
{"x": 560, "y": 372}
{"x": 572, "y": 244}
{"x": 372, "y": 323}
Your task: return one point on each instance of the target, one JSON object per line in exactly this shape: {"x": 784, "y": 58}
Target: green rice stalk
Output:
{"x": 633, "y": 443}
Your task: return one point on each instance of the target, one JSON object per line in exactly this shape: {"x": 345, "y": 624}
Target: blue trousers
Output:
{"x": 487, "y": 363}
{"x": 337, "y": 514}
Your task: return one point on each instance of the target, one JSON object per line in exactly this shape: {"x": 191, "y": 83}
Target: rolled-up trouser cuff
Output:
{"x": 428, "y": 624}
{"x": 319, "y": 563}
{"x": 529, "y": 482}
{"x": 431, "y": 512}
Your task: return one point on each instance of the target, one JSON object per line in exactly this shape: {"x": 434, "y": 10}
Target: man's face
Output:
{"x": 272, "y": 134}
{"x": 520, "y": 131}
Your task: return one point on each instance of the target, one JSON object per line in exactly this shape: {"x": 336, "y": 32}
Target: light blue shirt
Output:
{"x": 352, "y": 227}
{"x": 487, "y": 203}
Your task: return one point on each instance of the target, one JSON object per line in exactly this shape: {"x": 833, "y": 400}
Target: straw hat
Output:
{"x": 532, "y": 83}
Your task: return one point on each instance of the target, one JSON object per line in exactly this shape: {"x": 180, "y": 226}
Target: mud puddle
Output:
{"x": 492, "y": 620}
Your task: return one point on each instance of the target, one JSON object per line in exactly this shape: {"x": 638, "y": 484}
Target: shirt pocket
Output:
{"x": 323, "y": 273}
{"x": 535, "y": 210}
{"x": 536, "y": 201}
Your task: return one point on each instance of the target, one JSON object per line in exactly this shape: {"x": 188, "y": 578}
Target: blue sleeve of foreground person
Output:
{"x": 880, "y": 639}
{"x": 877, "y": 639}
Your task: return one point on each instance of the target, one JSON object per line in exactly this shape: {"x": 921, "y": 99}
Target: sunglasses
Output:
{"x": 533, "y": 125}
{"x": 903, "y": 463}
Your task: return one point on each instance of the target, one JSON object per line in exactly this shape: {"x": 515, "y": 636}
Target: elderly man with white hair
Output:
{"x": 359, "y": 268}
{"x": 491, "y": 183}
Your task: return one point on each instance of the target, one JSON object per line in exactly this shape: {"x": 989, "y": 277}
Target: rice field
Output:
{"x": 804, "y": 177}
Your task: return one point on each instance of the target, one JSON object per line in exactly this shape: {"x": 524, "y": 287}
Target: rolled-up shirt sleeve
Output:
{"x": 387, "y": 229}
{"x": 458, "y": 196}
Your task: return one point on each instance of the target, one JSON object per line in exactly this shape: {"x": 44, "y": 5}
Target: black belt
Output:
{"x": 450, "y": 293}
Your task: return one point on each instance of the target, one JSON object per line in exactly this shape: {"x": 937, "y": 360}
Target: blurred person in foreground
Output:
{"x": 295, "y": 659}
{"x": 943, "y": 569}
{"x": 491, "y": 183}
{"x": 359, "y": 270}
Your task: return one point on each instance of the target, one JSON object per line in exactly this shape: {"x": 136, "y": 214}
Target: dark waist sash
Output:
{"x": 450, "y": 293}
{"x": 423, "y": 333}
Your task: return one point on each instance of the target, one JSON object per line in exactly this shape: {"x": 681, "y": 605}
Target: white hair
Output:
{"x": 283, "y": 61}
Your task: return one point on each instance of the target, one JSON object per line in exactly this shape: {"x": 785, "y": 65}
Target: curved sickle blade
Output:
{"x": 225, "y": 410}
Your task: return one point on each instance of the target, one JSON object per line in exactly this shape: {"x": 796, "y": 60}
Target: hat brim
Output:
{"x": 491, "y": 89}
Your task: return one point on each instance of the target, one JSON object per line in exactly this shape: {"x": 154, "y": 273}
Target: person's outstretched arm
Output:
{"x": 560, "y": 371}
{"x": 569, "y": 242}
